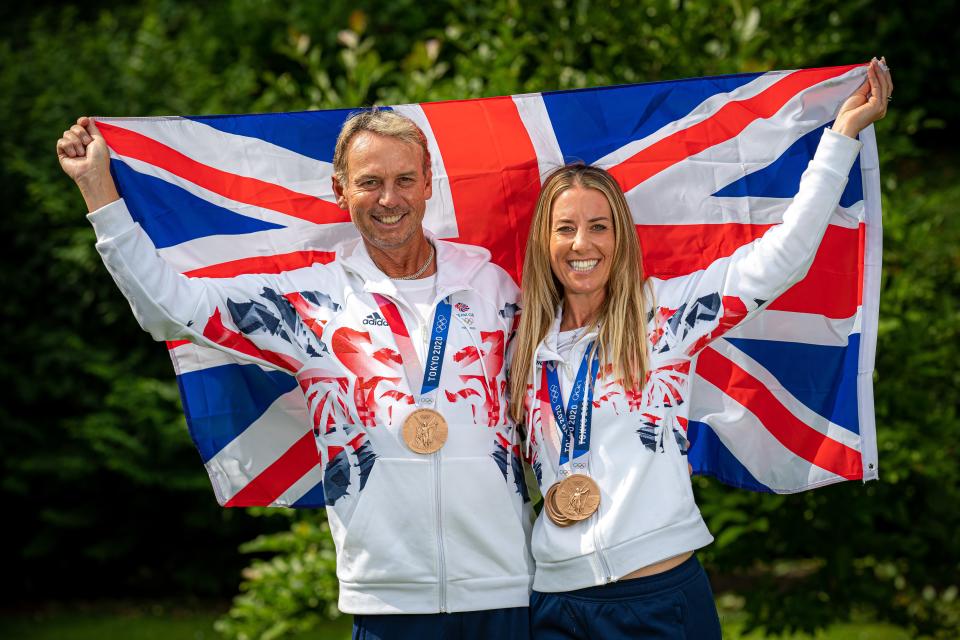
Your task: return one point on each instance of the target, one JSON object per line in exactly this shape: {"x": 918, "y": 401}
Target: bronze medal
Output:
{"x": 425, "y": 431}
{"x": 550, "y": 506}
{"x": 577, "y": 497}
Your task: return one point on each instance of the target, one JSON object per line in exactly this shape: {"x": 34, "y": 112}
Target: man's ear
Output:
{"x": 428, "y": 187}
{"x": 338, "y": 192}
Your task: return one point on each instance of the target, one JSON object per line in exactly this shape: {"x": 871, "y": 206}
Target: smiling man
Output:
{"x": 402, "y": 368}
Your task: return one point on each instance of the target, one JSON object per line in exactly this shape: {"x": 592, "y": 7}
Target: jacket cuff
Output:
{"x": 837, "y": 151}
{"x": 111, "y": 220}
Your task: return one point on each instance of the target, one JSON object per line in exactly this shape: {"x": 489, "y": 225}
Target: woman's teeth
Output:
{"x": 583, "y": 265}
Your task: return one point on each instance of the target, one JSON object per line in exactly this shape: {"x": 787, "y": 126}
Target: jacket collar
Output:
{"x": 547, "y": 350}
{"x": 457, "y": 264}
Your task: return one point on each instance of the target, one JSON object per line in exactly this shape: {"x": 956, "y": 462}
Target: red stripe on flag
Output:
{"x": 230, "y": 185}
{"x": 790, "y": 431}
{"x": 493, "y": 172}
{"x": 731, "y": 119}
{"x": 833, "y": 287}
{"x": 671, "y": 250}
{"x": 263, "y": 264}
{"x": 173, "y": 344}
{"x": 273, "y": 481}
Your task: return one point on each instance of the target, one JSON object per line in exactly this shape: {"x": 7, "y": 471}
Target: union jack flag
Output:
{"x": 783, "y": 403}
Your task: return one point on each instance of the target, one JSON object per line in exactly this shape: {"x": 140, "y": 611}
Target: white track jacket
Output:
{"x": 414, "y": 533}
{"x": 647, "y": 512}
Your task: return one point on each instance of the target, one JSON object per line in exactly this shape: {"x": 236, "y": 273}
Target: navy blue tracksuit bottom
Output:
{"x": 673, "y": 605}
{"x": 505, "y": 624}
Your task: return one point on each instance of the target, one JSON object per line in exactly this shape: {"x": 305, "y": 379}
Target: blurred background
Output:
{"x": 111, "y": 525}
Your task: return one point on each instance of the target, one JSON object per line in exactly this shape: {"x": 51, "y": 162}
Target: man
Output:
{"x": 399, "y": 347}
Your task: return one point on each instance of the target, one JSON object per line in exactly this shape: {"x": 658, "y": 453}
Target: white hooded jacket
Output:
{"x": 647, "y": 511}
{"x": 414, "y": 533}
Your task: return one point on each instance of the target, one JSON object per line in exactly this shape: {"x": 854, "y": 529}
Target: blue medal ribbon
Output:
{"x": 574, "y": 429}
{"x": 436, "y": 347}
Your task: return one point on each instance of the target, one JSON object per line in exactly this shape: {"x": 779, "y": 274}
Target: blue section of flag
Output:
{"x": 781, "y": 178}
{"x": 221, "y": 402}
{"x": 312, "y": 499}
{"x": 171, "y": 215}
{"x": 823, "y": 378}
{"x": 709, "y": 456}
{"x": 309, "y": 133}
{"x": 591, "y": 123}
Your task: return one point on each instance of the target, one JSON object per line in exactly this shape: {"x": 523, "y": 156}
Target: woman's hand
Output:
{"x": 868, "y": 103}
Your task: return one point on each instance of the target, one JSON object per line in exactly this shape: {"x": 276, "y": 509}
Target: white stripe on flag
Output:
{"x": 260, "y": 444}
{"x": 536, "y": 120}
{"x": 242, "y": 208}
{"x": 870, "y": 174}
{"x": 189, "y": 357}
{"x": 240, "y": 155}
{"x": 700, "y": 113}
{"x": 214, "y": 250}
{"x": 299, "y": 488}
{"x": 748, "y": 210}
{"x": 802, "y": 412}
{"x": 682, "y": 191}
{"x": 440, "y": 217}
{"x": 805, "y": 328}
{"x": 752, "y": 444}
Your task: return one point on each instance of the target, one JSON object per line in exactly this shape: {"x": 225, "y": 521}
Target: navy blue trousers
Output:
{"x": 505, "y": 624}
{"x": 676, "y": 604}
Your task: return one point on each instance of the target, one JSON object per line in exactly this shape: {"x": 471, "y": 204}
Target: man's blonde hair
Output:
{"x": 382, "y": 122}
{"x": 622, "y": 342}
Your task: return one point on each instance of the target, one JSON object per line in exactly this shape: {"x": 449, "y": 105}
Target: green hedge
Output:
{"x": 99, "y": 476}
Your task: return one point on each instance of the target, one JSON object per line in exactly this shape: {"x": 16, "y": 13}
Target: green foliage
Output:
{"x": 811, "y": 558}
{"x": 98, "y": 472}
{"x": 293, "y": 592}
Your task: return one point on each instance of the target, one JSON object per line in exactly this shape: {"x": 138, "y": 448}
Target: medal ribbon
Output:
{"x": 574, "y": 427}
{"x": 430, "y": 373}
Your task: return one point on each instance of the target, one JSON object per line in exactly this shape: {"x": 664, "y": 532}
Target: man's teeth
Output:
{"x": 583, "y": 265}
{"x": 390, "y": 219}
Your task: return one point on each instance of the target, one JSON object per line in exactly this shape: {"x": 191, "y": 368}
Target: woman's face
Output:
{"x": 581, "y": 241}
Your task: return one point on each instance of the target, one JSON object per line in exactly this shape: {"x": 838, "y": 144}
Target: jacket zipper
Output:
{"x": 443, "y": 560}
{"x": 439, "y": 501}
{"x": 598, "y": 543}
{"x": 595, "y": 521}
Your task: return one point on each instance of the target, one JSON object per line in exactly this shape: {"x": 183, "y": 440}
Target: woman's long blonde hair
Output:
{"x": 622, "y": 318}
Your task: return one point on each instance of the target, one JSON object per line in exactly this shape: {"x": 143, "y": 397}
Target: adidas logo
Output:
{"x": 375, "y": 319}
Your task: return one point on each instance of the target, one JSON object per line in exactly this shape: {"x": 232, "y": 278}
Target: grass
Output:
{"x": 120, "y": 621}
{"x": 159, "y": 623}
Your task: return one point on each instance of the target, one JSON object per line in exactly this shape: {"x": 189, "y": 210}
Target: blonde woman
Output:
{"x": 615, "y": 540}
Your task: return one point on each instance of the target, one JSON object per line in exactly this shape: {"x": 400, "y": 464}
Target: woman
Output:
{"x": 599, "y": 377}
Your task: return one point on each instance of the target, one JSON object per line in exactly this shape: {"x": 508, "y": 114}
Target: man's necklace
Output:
{"x": 418, "y": 272}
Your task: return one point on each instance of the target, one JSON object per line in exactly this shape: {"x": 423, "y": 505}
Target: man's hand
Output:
{"x": 84, "y": 156}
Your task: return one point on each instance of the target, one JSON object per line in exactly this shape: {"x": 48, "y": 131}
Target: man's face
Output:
{"x": 386, "y": 189}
